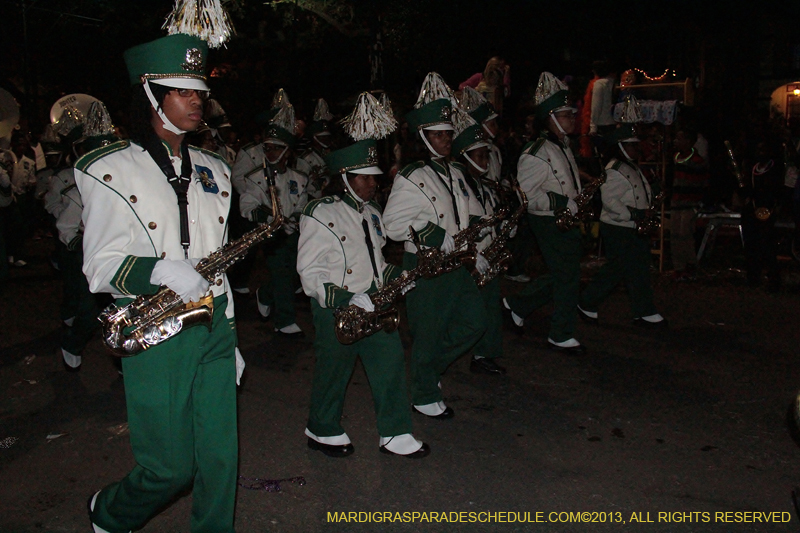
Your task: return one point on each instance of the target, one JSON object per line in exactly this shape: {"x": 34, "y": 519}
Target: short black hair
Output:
{"x": 140, "y": 116}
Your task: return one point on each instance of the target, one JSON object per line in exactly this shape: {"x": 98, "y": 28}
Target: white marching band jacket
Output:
{"x": 422, "y": 197}
{"x": 249, "y": 180}
{"x": 625, "y": 188}
{"x": 332, "y": 257}
{"x": 548, "y": 175}
{"x": 312, "y": 164}
{"x": 131, "y": 216}
{"x": 63, "y": 201}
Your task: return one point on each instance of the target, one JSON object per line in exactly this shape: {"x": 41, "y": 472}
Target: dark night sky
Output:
{"x": 295, "y": 49}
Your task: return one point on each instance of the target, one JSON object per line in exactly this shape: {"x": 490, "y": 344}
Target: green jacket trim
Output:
{"x": 75, "y": 243}
{"x": 391, "y": 272}
{"x": 133, "y": 276}
{"x": 98, "y": 153}
{"x": 411, "y": 167}
{"x": 532, "y": 147}
{"x": 557, "y": 201}
{"x": 336, "y": 296}
{"x": 431, "y": 235}
{"x": 212, "y": 154}
{"x": 308, "y": 210}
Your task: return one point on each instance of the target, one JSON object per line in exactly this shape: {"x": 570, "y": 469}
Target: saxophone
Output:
{"x": 354, "y": 323}
{"x": 152, "y": 319}
{"x": 565, "y": 220}
{"x": 651, "y": 223}
{"x": 496, "y": 253}
{"x": 761, "y": 213}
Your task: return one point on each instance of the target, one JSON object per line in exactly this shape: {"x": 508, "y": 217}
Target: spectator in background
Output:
{"x": 688, "y": 187}
{"x": 494, "y": 83}
{"x": 601, "y": 115}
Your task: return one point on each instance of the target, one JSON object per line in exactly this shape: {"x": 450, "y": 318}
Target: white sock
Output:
{"x": 431, "y": 409}
{"x": 569, "y": 343}
{"x": 590, "y": 314}
{"x": 653, "y": 319}
{"x": 72, "y": 360}
{"x": 404, "y": 444}
{"x": 338, "y": 440}
{"x": 291, "y": 328}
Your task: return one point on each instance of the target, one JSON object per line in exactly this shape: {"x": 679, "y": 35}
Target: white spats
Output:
{"x": 338, "y": 440}
{"x": 431, "y": 409}
{"x": 404, "y": 444}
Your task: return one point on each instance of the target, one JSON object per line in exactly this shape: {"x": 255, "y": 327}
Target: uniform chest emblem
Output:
{"x": 376, "y": 223}
{"x": 292, "y": 187}
{"x": 206, "y": 178}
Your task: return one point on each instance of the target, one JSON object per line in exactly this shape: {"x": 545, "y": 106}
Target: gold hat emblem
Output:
{"x": 194, "y": 59}
{"x": 445, "y": 115}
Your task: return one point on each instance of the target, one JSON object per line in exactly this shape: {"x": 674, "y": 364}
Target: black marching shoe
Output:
{"x": 483, "y": 365}
{"x": 331, "y": 450}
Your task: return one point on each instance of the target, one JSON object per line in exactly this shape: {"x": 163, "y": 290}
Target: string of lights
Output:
{"x": 655, "y": 78}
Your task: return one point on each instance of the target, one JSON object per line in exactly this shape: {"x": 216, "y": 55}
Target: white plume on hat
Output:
{"x": 369, "y": 119}
{"x": 98, "y": 121}
{"x": 386, "y": 104}
{"x": 548, "y": 86}
{"x": 322, "y": 112}
{"x": 70, "y": 119}
{"x": 205, "y": 19}
{"x": 280, "y": 99}
{"x": 434, "y": 88}
{"x": 461, "y": 120}
{"x": 471, "y": 99}
{"x": 284, "y": 118}
{"x": 631, "y": 110}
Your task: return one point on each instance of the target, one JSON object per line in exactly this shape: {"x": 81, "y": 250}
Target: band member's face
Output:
{"x": 276, "y": 154}
{"x": 491, "y": 127}
{"x": 364, "y": 185}
{"x": 567, "y": 121}
{"x": 441, "y": 141}
{"x": 185, "y": 112}
{"x": 481, "y": 158}
{"x": 634, "y": 150}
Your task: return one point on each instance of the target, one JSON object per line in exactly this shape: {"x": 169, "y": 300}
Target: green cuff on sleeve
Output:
{"x": 336, "y": 296}
{"x": 637, "y": 214}
{"x": 75, "y": 243}
{"x": 232, "y": 324}
{"x": 133, "y": 276}
{"x": 557, "y": 201}
{"x": 431, "y": 235}
{"x": 391, "y": 272}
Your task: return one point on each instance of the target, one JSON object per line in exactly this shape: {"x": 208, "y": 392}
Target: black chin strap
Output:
{"x": 180, "y": 184}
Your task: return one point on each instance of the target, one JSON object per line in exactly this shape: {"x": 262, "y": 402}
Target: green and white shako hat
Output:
{"x": 321, "y": 124}
{"x": 434, "y": 105}
{"x": 469, "y": 134}
{"x": 624, "y": 133}
{"x": 551, "y": 95}
{"x": 369, "y": 121}
{"x": 177, "y": 61}
{"x": 476, "y": 105}
{"x": 280, "y": 129}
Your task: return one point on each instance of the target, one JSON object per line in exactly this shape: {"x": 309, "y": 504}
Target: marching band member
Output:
{"x": 472, "y": 145}
{"x": 446, "y": 314}
{"x": 548, "y": 175}
{"x": 484, "y": 114}
{"x": 340, "y": 263}
{"x": 152, "y": 208}
{"x": 627, "y": 196}
{"x": 312, "y": 161}
{"x": 255, "y": 204}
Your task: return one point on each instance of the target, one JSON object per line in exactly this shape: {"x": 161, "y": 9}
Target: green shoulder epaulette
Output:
{"x": 376, "y": 205}
{"x": 247, "y": 146}
{"x": 98, "y": 153}
{"x": 212, "y": 154}
{"x": 308, "y": 210}
{"x": 460, "y": 166}
{"x": 532, "y": 147}
{"x": 617, "y": 165}
{"x": 411, "y": 167}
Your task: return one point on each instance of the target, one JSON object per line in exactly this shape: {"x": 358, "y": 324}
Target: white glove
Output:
{"x": 481, "y": 264}
{"x": 513, "y": 232}
{"x": 448, "y": 245}
{"x": 485, "y": 231}
{"x": 363, "y": 301}
{"x": 408, "y": 288}
{"x": 5, "y": 181}
{"x": 239, "y": 366}
{"x": 572, "y": 206}
{"x": 181, "y": 277}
